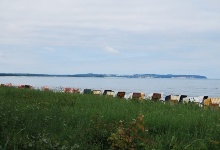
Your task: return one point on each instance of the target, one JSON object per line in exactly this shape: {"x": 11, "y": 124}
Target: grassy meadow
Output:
{"x": 34, "y": 119}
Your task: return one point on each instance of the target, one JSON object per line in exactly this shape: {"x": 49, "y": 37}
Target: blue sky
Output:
{"x": 110, "y": 36}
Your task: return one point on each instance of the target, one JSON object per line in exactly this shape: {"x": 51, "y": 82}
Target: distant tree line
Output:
{"x": 107, "y": 75}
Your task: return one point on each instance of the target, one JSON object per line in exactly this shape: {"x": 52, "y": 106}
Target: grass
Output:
{"x": 34, "y": 119}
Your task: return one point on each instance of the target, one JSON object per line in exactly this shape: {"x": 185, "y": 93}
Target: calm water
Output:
{"x": 190, "y": 87}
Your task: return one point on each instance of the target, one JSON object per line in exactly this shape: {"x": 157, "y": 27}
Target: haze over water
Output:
{"x": 190, "y": 87}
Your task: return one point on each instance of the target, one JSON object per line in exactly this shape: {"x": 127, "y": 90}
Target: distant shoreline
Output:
{"x": 108, "y": 75}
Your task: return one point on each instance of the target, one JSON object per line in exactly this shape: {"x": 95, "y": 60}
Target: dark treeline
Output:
{"x": 107, "y": 75}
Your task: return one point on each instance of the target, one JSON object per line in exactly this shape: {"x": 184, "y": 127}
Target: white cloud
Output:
{"x": 111, "y": 50}
{"x": 1, "y": 55}
{"x": 49, "y": 49}
{"x": 133, "y": 16}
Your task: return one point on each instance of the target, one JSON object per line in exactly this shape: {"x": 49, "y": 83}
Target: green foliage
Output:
{"x": 34, "y": 119}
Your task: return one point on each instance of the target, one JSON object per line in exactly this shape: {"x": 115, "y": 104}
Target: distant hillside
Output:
{"x": 108, "y": 75}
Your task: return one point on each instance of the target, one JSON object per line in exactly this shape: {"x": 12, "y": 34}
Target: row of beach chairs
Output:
{"x": 173, "y": 99}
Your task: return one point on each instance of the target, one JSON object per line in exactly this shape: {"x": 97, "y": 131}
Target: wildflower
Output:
{"x": 75, "y": 146}
{"x": 63, "y": 147}
{"x": 30, "y": 144}
{"x": 44, "y": 140}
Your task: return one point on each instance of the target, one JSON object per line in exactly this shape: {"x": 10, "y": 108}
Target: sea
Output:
{"x": 177, "y": 86}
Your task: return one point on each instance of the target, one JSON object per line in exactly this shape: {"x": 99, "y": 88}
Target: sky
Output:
{"x": 110, "y": 37}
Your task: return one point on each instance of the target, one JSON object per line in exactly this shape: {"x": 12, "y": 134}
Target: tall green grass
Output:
{"x": 34, "y": 119}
